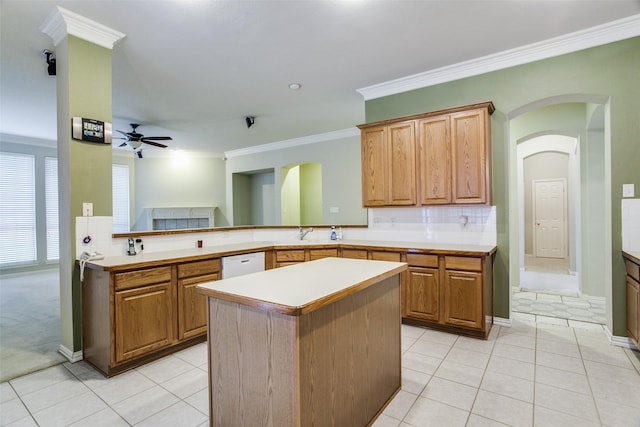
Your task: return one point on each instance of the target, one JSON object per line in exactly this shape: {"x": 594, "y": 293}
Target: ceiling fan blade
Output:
{"x": 124, "y": 133}
{"x": 157, "y": 144}
{"x": 123, "y": 144}
{"x": 157, "y": 138}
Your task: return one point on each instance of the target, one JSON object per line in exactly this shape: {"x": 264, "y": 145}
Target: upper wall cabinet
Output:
{"x": 436, "y": 158}
{"x": 388, "y": 165}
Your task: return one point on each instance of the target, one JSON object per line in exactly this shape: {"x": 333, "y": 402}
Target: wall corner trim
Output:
{"x": 62, "y": 22}
{"x": 610, "y": 32}
{"x": 72, "y": 356}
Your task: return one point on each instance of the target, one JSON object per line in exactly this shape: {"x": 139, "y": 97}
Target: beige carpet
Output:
{"x": 29, "y": 323}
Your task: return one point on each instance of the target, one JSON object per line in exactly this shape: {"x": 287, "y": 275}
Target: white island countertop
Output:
{"x": 302, "y": 288}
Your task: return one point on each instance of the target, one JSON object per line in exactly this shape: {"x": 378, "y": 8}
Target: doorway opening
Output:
{"x": 560, "y": 213}
{"x": 301, "y": 194}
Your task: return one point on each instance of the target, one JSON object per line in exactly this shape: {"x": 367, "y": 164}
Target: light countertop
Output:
{"x": 304, "y": 287}
{"x": 633, "y": 254}
{"x": 146, "y": 259}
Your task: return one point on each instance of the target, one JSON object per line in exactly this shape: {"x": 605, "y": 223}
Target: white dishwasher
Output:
{"x": 238, "y": 265}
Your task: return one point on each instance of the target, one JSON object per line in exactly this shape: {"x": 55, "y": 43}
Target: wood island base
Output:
{"x": 338, "y": 365}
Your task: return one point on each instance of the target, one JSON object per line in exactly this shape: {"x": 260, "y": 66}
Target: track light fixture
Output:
{"x": 250, "y": 121}
{"x": 51, "y": 62}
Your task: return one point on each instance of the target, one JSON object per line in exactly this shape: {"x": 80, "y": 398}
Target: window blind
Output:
{"x": 51, "y": 207}
{"x": 120, "y": 185}
{"x": 17, "y": 208}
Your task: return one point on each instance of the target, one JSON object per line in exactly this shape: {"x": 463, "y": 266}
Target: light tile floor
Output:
{"x": 535, "y": 305}
{"x": 531, "y": 374}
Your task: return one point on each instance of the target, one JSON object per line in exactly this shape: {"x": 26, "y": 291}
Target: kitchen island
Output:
{"x": 316, "y": 343}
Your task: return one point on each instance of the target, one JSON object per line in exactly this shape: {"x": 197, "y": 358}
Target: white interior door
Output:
{"x": 550, "y": 218}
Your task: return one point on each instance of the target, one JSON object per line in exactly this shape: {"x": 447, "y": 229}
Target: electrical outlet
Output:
{"x": 87, "y": 209}
{"x": 628, "y": 190}
{"x": 334, "y": 209}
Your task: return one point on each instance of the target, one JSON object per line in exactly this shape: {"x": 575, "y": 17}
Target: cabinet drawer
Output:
{"x": 422, "y": 260}
{"x": 633, "y": 269}
{"x": 288, "y": 256}
{"x": 385, "y": 256}
{"x": 147, "y": 276}
{"x": 354, "y": 253}
{"x": 463, "y": 263}
{"x": 199, "y": 268}
{"x": 322, "y": 253}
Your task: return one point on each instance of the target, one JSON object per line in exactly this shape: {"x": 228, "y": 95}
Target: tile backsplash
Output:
{"x": 94, "y": 234}
{"x": 446, "y": 224}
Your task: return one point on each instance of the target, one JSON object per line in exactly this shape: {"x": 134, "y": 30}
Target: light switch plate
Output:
{"x": 87, "y": 209}
{"x": 628, "y": 190}
{"x": 334, "y": 209}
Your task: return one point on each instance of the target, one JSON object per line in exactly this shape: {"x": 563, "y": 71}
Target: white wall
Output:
{"x": 179, "y": 181}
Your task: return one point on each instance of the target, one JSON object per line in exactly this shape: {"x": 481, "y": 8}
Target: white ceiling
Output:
{"x": 193, "y": 69}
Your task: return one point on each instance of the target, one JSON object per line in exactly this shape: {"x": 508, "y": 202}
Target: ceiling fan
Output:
{"x": 135, "y": 139}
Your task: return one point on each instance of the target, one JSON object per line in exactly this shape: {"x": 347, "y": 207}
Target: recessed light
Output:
{"x": 295, "y": 86}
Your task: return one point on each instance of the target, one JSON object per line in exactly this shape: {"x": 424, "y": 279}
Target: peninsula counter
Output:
{"x": 316, "y": 343}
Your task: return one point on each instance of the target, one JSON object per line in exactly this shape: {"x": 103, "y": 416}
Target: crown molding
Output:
{"x": 62, "y": 22}
{"x": 591, "y": 37}
{"x": 295, "y": 142}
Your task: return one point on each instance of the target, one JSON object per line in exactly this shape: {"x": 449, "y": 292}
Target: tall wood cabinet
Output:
{"x": 435, "y": 158}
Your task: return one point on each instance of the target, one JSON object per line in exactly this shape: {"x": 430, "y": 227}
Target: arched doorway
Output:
{"x": 573, "y": 128}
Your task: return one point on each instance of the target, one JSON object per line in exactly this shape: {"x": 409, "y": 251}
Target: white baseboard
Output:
{"x": 501, "y": 321}
{"x": 70, "y": 355}
{"x": 624, "y": 342}
{"x": 619, "y": 341}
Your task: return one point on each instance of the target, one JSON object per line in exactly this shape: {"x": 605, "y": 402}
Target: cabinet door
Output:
{"x": 633, "y": 296}
{"x": 144, "y": 320}
{"x": 463, "y": 300}
{"x": 192, "y": 307}
{"x": 469, "y": 156}
{"x": 421, "y": 294}
{"x": 434, "y": 162}
{"x": 401, "y": 164}
{"x": 373, "y": 166}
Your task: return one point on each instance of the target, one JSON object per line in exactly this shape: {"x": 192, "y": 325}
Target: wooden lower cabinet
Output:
{"x": 284, "y": 257}
{"x": 453, "y": 293}
{"x": 422, "y": 294}
{"x": 133, "y": 317}
{"x": 192, "y": 307}
{"x": 633, "y": 302}
{"x": 632, "y": 265}
{"x": 463, "y": 299}
{"x": 144, "y": 320}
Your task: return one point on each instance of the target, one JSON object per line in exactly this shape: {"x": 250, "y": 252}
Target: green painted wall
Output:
{"x": 83, "y": 85}
{"x": 311, "y": 193}
{"x": 610, "y": 71}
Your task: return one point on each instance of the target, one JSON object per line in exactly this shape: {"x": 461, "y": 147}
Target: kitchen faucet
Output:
{"x": 302, "y": 233}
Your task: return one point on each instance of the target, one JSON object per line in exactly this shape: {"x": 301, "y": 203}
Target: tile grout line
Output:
{"x": 593, "y": 398}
